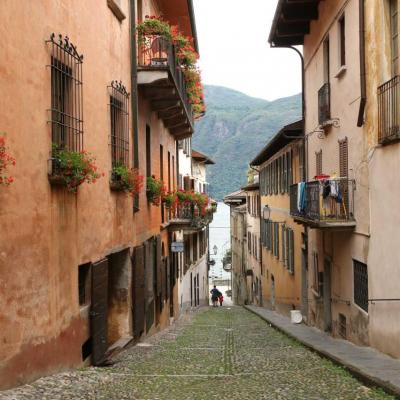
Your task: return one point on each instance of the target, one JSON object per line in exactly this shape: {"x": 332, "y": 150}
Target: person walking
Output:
{"x": 221, "y": 300}
{"x": 215, "y": 293}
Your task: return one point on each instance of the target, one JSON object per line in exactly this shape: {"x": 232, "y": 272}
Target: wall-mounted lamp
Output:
{"x": 266, "y": 213}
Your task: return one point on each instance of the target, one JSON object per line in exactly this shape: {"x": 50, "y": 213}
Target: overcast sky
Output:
{"x": 234, "y": 49}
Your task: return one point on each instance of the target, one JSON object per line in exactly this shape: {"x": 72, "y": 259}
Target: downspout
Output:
{"x": 134, "y": 98}
{"x": 363, "y": 100}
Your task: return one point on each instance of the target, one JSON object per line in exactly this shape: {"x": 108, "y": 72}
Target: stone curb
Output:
{"x": 361, "y": 374}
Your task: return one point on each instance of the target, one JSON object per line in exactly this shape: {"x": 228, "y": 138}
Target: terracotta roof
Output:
{"x": 237, "y": 197}
{"x": 201, "y": 157}
{"x": 251, "y": 186}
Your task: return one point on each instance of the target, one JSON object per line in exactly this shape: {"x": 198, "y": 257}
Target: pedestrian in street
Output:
{"x": 221, "y": 300}
{"x": 215, "y": 293}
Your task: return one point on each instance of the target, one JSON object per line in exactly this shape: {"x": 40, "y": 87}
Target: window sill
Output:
{"x": 341, "y": 72}
{"x": 115, "y": 8}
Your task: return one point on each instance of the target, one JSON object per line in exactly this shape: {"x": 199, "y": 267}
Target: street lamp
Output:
{"x": 215, "y": 250}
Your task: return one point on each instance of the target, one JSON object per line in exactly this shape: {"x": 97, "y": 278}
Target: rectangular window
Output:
{"x": 169, "y": 171}
{"x": 361, "y": 284}
{"x": 66, "y": 113}
{"x": 195, "y": 248}
{"x": 342, "y": 40}
{"x": 148, "y": 151}
{"x": 161, "y": 162}
{"x": 284, "y": 176}
{"x": 119, "y": 116}
{"x": 394, "y": 36}
{"x": 326, "y": 60}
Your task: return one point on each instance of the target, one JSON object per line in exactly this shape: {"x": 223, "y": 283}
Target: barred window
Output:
{"x": 66, "y": 112}
{"x": 119, "y": 116}
{"x": 361, "y": 284}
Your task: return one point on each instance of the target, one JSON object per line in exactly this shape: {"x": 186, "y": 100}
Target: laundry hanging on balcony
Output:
{"x": 301, "y": 196}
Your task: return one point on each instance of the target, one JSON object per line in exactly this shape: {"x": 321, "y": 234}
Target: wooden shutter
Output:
{"x": 290, "y": 172}
{"x": 291, "y": 251}
{"x": 158, "y": 264}
{"x": 186, "y": 182}
{"x": 285, "y": 185}
{"x": 343, "y": 157}
{"x": 98, "y": 311}
{"x": 149, "y": 270}
{"x": 318, "y": 162}
{"x": 138, "y": 291}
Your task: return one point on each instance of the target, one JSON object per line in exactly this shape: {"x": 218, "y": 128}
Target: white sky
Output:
{"x": 234, "y": 49}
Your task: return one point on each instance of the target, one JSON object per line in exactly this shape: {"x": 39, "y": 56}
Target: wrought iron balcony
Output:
{"x": 389, "y": 111}
{"x": 324, "y": 104}
{"x": 163, "y": 83}
{"x": 189, "y": 217}
{"x": 324, "y": 204}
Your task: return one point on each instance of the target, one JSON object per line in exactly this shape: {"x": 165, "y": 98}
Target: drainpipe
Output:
{"x": 134, "y": 97}
{"x": 363, "y": 100}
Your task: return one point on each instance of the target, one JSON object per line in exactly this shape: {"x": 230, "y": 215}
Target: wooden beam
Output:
{"x": 164, "y": 105}
{"x": 176, "y": 122}
{"x": 181, "y": 130}
{"x": 159, "y": 92}
{"x": 167, "y": 115}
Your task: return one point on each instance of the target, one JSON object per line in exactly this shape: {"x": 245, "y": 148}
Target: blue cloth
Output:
{"x": 302, "y": 196}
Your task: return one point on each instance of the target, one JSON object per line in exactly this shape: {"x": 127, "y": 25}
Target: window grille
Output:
{"x": 66, "y": 112}
{"x": 361, "y": 284}
{"x": 342, "y": 326}
{"x": 119, "y": 116}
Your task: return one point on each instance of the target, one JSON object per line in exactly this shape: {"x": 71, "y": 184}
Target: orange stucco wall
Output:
{"x": 47, "y": 232}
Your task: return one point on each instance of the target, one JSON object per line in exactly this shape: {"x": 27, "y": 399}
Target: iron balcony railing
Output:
{"x": 324, "y": 103}
{"x": 191, "y": 214}
{"x": 330, "y": 200}
{"x": 158, "y": 52}
{"x": 388, "y": 111}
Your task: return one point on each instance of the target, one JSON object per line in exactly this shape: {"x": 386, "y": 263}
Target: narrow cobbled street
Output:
{"x": 224, "y": 353}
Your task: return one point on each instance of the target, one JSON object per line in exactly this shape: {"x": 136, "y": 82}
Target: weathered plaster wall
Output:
{"x": 383, "y": 165}
{"x": 46, "y": 233}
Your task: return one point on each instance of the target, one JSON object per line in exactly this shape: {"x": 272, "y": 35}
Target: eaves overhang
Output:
{"x": 292, "y": 22}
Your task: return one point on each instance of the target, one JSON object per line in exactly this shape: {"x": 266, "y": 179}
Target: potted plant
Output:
{"x": 72, "y": 168}
{"x": 126, "y": 179}
{"x": 5, "y": 161}
{"x": 154, "y": 190}
{"x": 169, "y": 199}
{"x": 153, "y": 26}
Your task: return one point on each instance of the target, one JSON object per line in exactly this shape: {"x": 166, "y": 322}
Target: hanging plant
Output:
{"x": 170, "y": 200}
{"x": 72, "y": 168}
{"x": 154, "y": 190}
{"x": 153, "y": 26}
{"x": 127, "y": 179}
{"x": 6, "y": 160}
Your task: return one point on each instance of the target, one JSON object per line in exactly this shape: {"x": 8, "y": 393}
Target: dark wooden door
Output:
{"x": 138, "y": 291}
{"x": 98, "y": 312}
{"x": 327, "y": 296}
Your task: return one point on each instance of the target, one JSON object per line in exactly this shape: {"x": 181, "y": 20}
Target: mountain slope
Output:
{"x": 234, "y": 130}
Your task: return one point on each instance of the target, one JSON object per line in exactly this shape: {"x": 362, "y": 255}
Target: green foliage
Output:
{"x": 74, "y": 167}
{"x": 234, "y": 130}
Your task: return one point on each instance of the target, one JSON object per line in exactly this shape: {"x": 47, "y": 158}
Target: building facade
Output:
{"x": 254, "y": 265}
{"x": 86, "y": 268}
{"x": 238, "y": 229}
{"x": 350, "y": 103}
{"x": 283, "y": 260}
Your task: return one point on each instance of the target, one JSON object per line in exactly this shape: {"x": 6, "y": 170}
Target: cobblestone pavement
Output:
{"x": 221, "y": 353}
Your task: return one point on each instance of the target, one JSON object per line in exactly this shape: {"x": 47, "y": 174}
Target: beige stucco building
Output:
{"x": 350, "y": 53}
{"x": 282, "y": 239}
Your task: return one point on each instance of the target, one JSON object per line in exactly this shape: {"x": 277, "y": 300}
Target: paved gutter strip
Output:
{"x": 365, "y": 363}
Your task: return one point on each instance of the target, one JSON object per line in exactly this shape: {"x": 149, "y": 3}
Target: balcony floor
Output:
{"x": 326, "y": 224}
